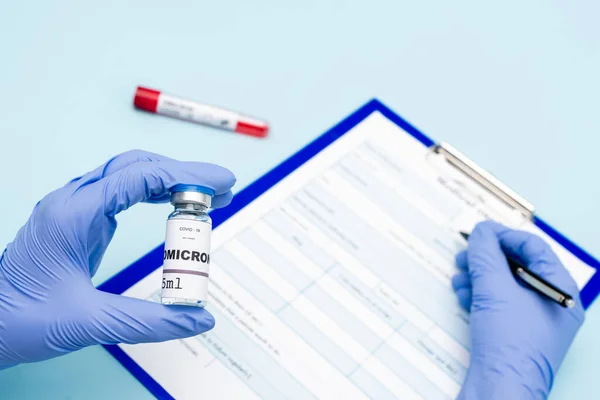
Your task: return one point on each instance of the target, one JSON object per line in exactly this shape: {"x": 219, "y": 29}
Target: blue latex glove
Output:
{"x": 518, "y": 337}
{"x": 48, "y": 305}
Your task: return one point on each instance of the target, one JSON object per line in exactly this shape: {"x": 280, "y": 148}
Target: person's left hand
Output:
{"x": 48, "y": 305}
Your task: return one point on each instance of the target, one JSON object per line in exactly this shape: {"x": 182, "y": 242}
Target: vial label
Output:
{"x": 186, "y": 259}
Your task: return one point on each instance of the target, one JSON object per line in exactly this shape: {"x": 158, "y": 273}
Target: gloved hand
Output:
{"x": 518, "y": 337}
{"x": 48, "y": 305}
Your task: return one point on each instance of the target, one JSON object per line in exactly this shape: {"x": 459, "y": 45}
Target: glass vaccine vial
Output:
{"x": 187, "y": 247}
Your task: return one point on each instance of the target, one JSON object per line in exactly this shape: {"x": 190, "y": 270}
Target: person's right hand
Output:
{"x": 518, "y": 337}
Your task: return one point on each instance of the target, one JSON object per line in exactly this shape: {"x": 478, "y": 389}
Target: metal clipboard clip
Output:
{"x": 484, "y": 178}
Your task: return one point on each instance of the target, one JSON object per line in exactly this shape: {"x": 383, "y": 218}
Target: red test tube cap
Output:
{"x": 146, "y": 99}
{"x": 256, "y": 129}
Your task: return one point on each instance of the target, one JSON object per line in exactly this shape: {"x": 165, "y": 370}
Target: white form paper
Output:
{"x": 335, "y": 283}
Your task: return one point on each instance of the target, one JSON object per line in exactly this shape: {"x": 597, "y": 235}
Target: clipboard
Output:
{"x": 154, "y": 259}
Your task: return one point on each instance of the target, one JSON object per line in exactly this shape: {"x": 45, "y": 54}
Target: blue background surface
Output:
{"x": 514, "y": 85}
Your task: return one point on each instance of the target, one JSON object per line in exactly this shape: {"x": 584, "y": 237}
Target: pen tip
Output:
{"x": 569, "y": 303}
{"x": 464, "y": 235}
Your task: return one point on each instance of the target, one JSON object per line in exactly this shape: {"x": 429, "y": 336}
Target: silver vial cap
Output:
{"x": 192, "y": 194}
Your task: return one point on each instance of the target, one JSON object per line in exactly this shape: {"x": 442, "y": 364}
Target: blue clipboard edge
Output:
{"x": 153, "y": 259}
{"x": 592, "y": 288}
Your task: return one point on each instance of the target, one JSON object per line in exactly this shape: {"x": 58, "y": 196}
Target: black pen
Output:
{"x": 538, "y": 283}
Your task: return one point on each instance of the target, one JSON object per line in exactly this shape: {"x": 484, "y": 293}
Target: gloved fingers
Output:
{"x": 151, "y": 181}
{"x": 538, "y": 256}
{"x": 528, "y": 247}
{"x": 222, "y": 200}
{"x": 461, "y": 280}
{"x": 122, "y": 319}
{"x": 487, "y": 263}
{"x": 461, "y": 260}
{"x": 465, "y": 297}
{"x": 118, "y": 162}
{"x": 131, "y": 157}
